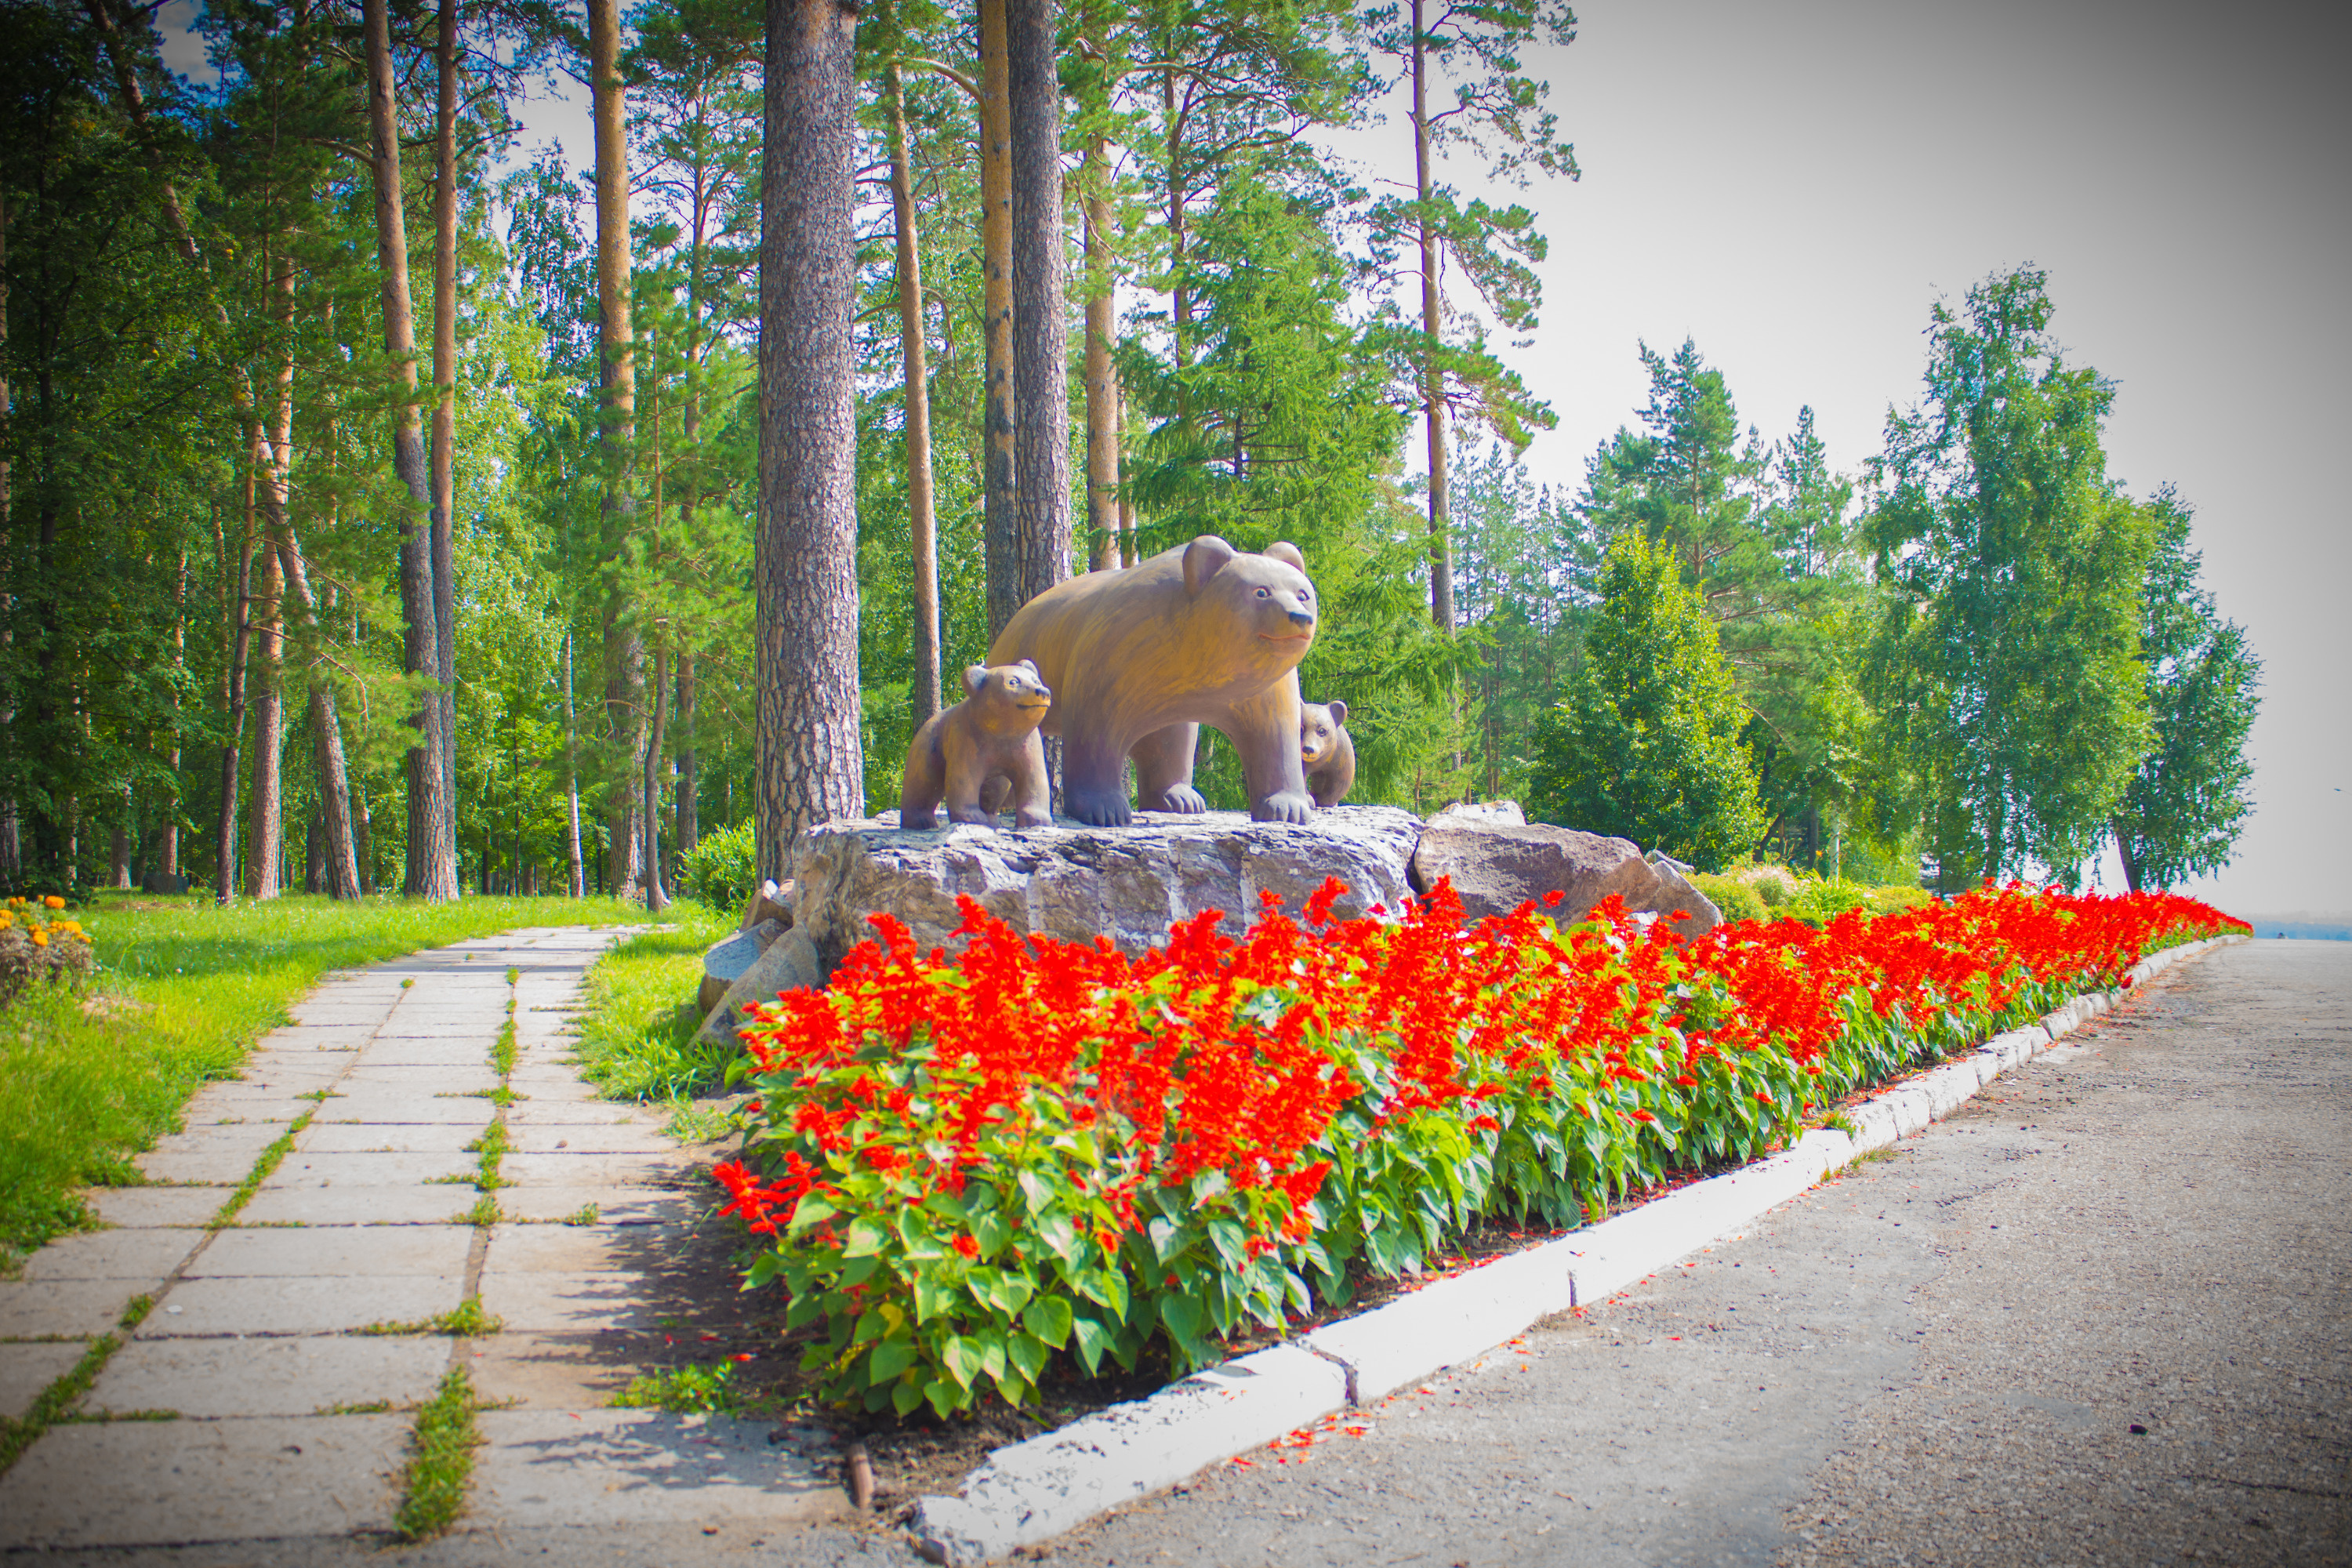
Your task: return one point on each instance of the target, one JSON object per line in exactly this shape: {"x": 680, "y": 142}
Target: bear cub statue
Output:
{"x": 1328, "y": 756}
{"x": 990, "y": 736}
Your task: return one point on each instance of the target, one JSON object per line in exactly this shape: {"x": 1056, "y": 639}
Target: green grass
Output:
{"x": 684, "y": 1390}
{"x": 440, "y": 1460}
{"x": 85, "y": 1093}
{"x": 636, "y": 1039}
{"x": 56, "y": 1402}
{"x": 468, "y": 1320}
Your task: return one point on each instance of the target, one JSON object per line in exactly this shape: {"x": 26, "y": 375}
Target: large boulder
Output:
{"x": 789, "y": 963}
{"x": 724, "y": 963}
{"x": 1496, "y": 865}
{"x": 1129, "y": 883}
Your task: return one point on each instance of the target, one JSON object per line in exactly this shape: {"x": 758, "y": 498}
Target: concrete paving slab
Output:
{"x": 248, "y": 1139}
{"x": 267, "y": 1107}
{"x": 342, "y": 1250}
{"x": 640, "y": 1467}
{"x": 130, "y": 1207}
{"x": 544, "y": 1301}
{"x": 614, "y": 1205}
{"x": 576, "y": 1169}
{"x": 537, "y": 1112}
{"x": 280, "y": 1306}
{"x": 582, "y": 1249}
{"x": 554, "y": 1370}
{"x": 349, "y": 1012}
{"x": 388, "y": 1138}
{"x": 80, "y": 1308}
{"x": 26, "y": 1370}
{"x": 216, "y": 1168}
{"x": 146, "y": 1256}
{"x": 320, "y": 1170}
{"x": 389, "y": 1106}
{"x": 139, "y": 1483}
{"x": 295, "y": 1040}
{"x": 215, "y": 1379}
{"x": 629, "y": 1136}
{"x": 419, "y": 1204}
{"x": 462, "y": 1080}
{"x": 438, "y": 1052}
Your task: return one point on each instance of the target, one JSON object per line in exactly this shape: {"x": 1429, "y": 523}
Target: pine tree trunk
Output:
{"x": 690, "y": 823}
{"x": 624, "y": 648}
{"x": 811, "y": 761}
{"x": 1102, "y": 389}
{"x": 11, "y": 850}
{"x": 999, "y": 474}
{"x": 444, "y": 398}
{"x": 240, "y": 635}
{"x": 432, "y": 847}
{"x": 922, "y": 518}
{"x": 1128, "y": 554}
{"x": 657, "y": 896}
{"x": 2124, "y": 853}
{"x": 1433, "y": 375}
{"x": 167, "y": 850}
{"x": 267, "y": 801}
{"x": 1041, "y": 351}
{"x": 576, "y": 883}
{"x": 119, "y": 860}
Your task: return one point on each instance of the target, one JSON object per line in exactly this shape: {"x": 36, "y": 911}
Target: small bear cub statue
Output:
{"x": 1325, "y": 749}
{"x": 990, "y": 735}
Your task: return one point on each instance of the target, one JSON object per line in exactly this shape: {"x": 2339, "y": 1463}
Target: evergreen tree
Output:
{"x": 2187, "y": 803}
{"x": 1645, "y": 743}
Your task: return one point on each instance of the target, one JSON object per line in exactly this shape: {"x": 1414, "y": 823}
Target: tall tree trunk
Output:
{"x": 268, "y": 800}
{"x": 1102, "y": 387}
{"x": 999, "y": 469}
{"x": 1180, "y": 289}
{"x": 577, "y": 884}
{"x": 657, "y": 896}
{"x": 811, "y": 759}
{"x": 1041, "y": 353}
{"x": 1128, "y": 553}
{"x": 240, "y": 626}
{"x": 624, "y": 648}
{"x": 1433, "y": 373}
{"x": 922, "y": 518}
{"x": 119, "y": 860}
{"x": 339, "y": 849}
{"x": 689, "y": 815}
{"x": 167, "y": 852}
{"x": 2124, "y": 853}
{"x": 432, "y": 847}
{"x": 11, "y": 849}
{"x": 444, "y": 398}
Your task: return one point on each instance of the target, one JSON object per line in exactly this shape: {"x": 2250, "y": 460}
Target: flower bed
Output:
{"x": 35, "y": 944}
{"x": 965, "y": 1170}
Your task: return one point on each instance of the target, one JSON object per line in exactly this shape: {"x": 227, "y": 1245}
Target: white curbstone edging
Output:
{"x": 1034, "y": 1490}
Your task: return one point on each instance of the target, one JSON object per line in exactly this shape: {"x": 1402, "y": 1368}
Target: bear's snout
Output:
{"x": 1301, "y": 618}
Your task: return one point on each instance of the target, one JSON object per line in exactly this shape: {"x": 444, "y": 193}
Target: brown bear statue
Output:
{"x": 1139, "y": 659}
{"x": 1326, "y": 751}
{"x": 989, "y": 738}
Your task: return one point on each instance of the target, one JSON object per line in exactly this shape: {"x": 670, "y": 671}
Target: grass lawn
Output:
{"x": 637, "y": 1033}
{"x": 183, "y": 990}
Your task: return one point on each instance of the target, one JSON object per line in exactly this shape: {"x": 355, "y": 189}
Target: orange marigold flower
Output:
{"x": 53, "y": 902}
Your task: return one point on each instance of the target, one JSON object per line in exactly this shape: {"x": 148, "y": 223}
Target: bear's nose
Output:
{"x": 1301, "y": 618}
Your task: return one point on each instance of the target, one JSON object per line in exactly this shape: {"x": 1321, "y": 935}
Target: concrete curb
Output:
{"x": 1034, "y": 1490}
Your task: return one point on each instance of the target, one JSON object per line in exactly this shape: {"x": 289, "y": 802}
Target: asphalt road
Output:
{"x": 2100, "y": 1315}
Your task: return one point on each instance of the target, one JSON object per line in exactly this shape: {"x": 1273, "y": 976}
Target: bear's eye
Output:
{"x": 1011, "y": 683}
{"x": 1265, "y": 592}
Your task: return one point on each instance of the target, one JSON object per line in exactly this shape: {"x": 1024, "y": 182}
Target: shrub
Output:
{"x": 964, "y": 1170}
{"x": 718, "y": 870}
{"x": 1770, "y": 891}
{"x": 1735, "y": 899}
{"x": 36, "y": 945}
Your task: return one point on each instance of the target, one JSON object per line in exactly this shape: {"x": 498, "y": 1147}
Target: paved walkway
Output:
{"x": 290, "y": 1405}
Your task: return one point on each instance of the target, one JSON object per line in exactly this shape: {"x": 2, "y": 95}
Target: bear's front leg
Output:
{"x": 1163, "y": 770}
{"x": 1093, "y": 780}
{"x": 1264, "y": 730}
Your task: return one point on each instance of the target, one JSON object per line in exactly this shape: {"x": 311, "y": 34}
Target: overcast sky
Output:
{"x": 1794, "y": 185}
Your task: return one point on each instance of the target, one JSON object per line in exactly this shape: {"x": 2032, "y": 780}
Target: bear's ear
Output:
{"x": 1031, "y": 666}
{"x": 1203, "y": 558}
{"x": 975, "y": 675}
{"x": 1338, "y": 713}
{"x": 1287, "y": 553}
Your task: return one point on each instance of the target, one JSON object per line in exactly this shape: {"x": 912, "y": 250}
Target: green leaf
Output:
{"x": 934, "y": 1297}
{"x": 890, "y": 1358}
{"x": 1092, "y": 1339}
{"x": 993, "y": 1230}
{"x": 1185, "y": 1319}
{"x": 904, "y": 1397}
{"x": 811, "y": 1210}
{"x": 866, "y": 1237}
{"x": 1028, "y": 1354}
{"x": 922, "y": 1245}
{"x": 1057, "y": 1233}
{"x": 1049, "y": 1318}
{"x": 963, "y": 1359}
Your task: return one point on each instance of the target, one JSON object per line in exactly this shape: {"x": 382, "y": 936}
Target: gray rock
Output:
{"x": 1076, "y": 882}
{"x": 774, "y": 901}
{"x": 1506, "y": 812}
{"x": 789, "y": 963}
{"x": 1497, "y": 866}
{"x": 727, "y": 960}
